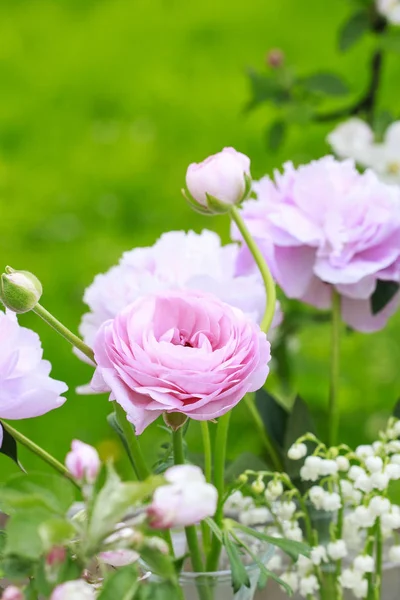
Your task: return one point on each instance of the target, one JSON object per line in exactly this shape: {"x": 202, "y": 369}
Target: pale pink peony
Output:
{"x": 221, "y": 175}
{"x": 178, "y": 260}
{"x": 83, "y": 461}
{"x": 78, "y": 589}
{"x": 26, "y": 390}
{"x": 187, "y": 500}
{"x": 180, "y": 351}
{"x": 324, "y": 225}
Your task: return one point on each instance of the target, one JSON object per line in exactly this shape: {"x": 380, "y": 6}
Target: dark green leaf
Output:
{"x": 159, "y": 563}
{"x": 112, "y": 421}
{"x": 159, "y": 590}
{"x": 276, "y": 134}
{"x": 247, "y": 460}
{"x": 299, "y": 422}
{"x": 9, "y": 447}
{"x": 274, "y": 415}
{"x": 122, "y": 584}
{"x": 383, "y": 294}
{"x": 382, "y": 120}
{"x": 263, "y": 89}
{"x": 239, "y": 574}
{"x": 16, "y": 568}
{"x": 391, "y": 42}
{"x": 291, "y": 548}
{"x": 353, "y": 30}
{"x": 396, "y": 409}
{"x": 326, "y": 83}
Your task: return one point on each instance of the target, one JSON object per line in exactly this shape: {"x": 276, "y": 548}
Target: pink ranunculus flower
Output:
{"x": 83, "y": 461}
{"x": 26, "y": 390}
{"x": 178, "y": 260}
{"x": 325, "y": 226}
{"x": 78, "y": 589}
{"x": 221, "y": 175}
{"x": 179, "y": 351}
{"x": 187, "y": 500}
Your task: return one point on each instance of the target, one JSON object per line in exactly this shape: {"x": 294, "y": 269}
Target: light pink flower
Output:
{"x": 187, "y": 499}
{"x": 184, "y": 352}
{"x": 83, "y": 461}
{"x": 325, "y": 225}
{"x": 77, "y": 589}
{"x": 12, "y": 593}
{"x": 26, "y": 390}
{"x": 119, "y": 558}
{"x": 178, "y": 260}
{"x": 221, "y": 175}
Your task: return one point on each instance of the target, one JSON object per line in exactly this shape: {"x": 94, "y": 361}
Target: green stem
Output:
{"x": 64, "y": 331}
{"x": 263, "y": 268}
{"x": 132, "y": 442}
{"x": 45, "y": 456}
{"x": 379, "y": 548}
{"x": 219, "y": 482}
{"x": 258, "y": 422}
{"x": 205, "y": 432}
{"x": 333, "y": 410}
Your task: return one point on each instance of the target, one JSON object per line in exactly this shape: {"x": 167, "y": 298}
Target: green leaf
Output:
{"x": 267, "y": 574}
{"x": 276, "y": 134}
{"x": 239, "y": 574}
{"x": 383, "y": 294}
{"x": 214, "y": 528}
{"x": 391, "y": 42}
{"x": 326, "y": 83}
{"x": 263, "y": 89}
{"x": 113, "y": 502}
{"x": 112, "y": 421}
{"x": 122, "y": 584}
{"x": 9, "y": 447}
{"x": 275, "y": 417}
{"x": 23, "y": 533}
{"x": 56, "y": 532}
{"x": 159, "y": 563}
{"x": 353, "y": 30}
{"x": 396, "y": 409}
{"x": 159, "y": 590}
{"x": 50, "y": 492}
{"x": 17, "y": 568}
{"x": 244, "y": 461}
{"x": 291, "y": 548}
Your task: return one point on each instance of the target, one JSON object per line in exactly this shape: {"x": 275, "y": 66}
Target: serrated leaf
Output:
{"x": 239, "y": 574}
{"x": 276, "y": 134}
{"x": 9, "y": 447}
{"x": 329, "y": 84}
{"x": 383, "y": 294}
{"x": 122, "y": 584}
{"x": 353, "y": 30}
{"x": 275, "y": 417}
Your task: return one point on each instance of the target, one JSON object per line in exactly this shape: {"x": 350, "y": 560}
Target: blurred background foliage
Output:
{"x": 103, "y": 103}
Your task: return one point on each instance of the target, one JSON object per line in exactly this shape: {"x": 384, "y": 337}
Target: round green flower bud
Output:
{"x": 20, "y": 291}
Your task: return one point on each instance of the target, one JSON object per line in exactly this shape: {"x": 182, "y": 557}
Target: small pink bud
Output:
{"x": 275, "y": 58}
{"x": 74, "y": 590}
{"x": 83, "y": 462}
{"x": 12, "y": 593}
{"x": 56, "y": 556}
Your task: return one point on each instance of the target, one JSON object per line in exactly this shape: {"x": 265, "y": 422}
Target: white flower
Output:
{"x": 275, "y": 563}
{"x": 318, "y": 555}
{"x": 363, "y": 517}
{"x": 258, "y": 486}
{"x": 389, "y": 9}
{"x": 364, "y": 451}
{"x": 294, "y": 533}
{"x": 304, "y": 565}
{"x": 308, "y": 585}
{"x": 291, "y": 579}
{"x": 349, "y": 139}
{"x": 364, "y": 483}
{"x": 361, "y": 589}
{"x": 274, "y": 490}
{"x": 350, "y": 579}
{"x": 332, "y": 501}
{"x": 328, "y": 467}
{"x": 310, "y": 471}
{"x": 374, "y": 464}
{"x": 255, "y": 516}
{"x": 377, "y": 446}
{"x": 395, "y": 459}
{"x": 343, "y": 463}
{"x": 364, "y": 563}
{"x": 337, "y": 550}
{"x": 379, "y": 506}
{"x": 317, "y": 496}
{"x": 355, "y": 472}
{"x": 297, "y": 451}
{"x": 393, "y": 446}
{"x": 286, "y": 510}
{"x": 236, "y": 502}
{"x": 380, "y": 481}
{"x": 394, "y": 554}
{"x": 392, "y": 471}
{"x": 349, "y": 493}
{"x": 391, "y": 520}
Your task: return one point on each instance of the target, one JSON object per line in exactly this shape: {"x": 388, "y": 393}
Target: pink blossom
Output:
{"x": 180, "y": 351}
{"x": 78, "y": 589}
{"x": 119, "y": 558}
{"x": 12, "y": 593}
{"x": 187, "y": 499}
{"x": 221, "y": 175}
{"x": 178, "y": 260}
{"x": 83, "y": 461}
{"x": 324, "y": 226}
{"x": 26, "y": 390}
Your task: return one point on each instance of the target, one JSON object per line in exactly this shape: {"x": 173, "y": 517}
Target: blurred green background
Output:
{"x": 103, "y": 103}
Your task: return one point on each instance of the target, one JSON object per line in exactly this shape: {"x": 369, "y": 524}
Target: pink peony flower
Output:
{"x": 186, "y": 501}
{"x": 178, "y": 260}
{"x": 184, "y": 352}
{"x": 26, "y": 390}
{"x": 221, "y": 175}
{"x": 77, "y": 589}
{"x": 83, "y": 461}
{"x": 325, "y": 225}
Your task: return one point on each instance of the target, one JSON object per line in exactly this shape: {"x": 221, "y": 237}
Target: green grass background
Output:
{"x": 103, "y": 103}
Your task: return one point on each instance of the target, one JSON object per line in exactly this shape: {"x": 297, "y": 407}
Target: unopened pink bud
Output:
{"x": 275, "y": 58}
{"x": 56, "y": 556}
{"x": 12, "y": 593}
{"x": 83, "y": 462}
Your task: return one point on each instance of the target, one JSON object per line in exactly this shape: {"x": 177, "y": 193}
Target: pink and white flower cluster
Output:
{"x": 26, "y": 389}
{"x": 324, "y": 226}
